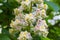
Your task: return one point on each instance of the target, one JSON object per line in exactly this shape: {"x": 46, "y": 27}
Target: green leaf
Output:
{"x": 36, "y": 37}
{"x": 42, "y": 38}
{"x": 4, "y": 37}
{"x": 52, "y": 5}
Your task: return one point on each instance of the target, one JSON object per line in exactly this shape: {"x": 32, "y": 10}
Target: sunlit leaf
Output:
{"x": 52, "y": 5}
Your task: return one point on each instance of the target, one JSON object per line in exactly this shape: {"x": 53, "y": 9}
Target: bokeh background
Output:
{"x": 53, "y": 12}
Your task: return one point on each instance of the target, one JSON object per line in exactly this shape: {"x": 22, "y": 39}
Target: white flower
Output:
{"x": 15, "y": 24}
{"x": 43, "y": 13}
{"x": 40, "y": 5}
{"x": 29, "y": 17}
{"x": 56, "y": 17}
{"x": 26, "y": 2}
{"x": 24, "y": 35}
{"x": 0, "y": 30}
{"x": 11, "y": 31}
{"x": 52, "y": 22}
{"x": 55, "y": 13}
{"x": 45, "y": 33}
{"x": 20, "y": 9}
{"x": 45, "y": 6}
{"x": 1, "y": 4}
{"x": 16, "y": 11}
{"x": 41, "y": 27}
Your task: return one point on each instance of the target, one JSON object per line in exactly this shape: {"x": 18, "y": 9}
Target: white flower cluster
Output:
{"x": 32, "y": 20}
{"x": 41, "y": 27}
{"x": 1, "y": 4}
{"x": 24, "y": 36}
{"x": 55, "y": 18}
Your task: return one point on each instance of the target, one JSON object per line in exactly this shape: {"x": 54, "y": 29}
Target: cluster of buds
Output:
{"x": 55, "y": 19}
{"x": 34, "y": 19}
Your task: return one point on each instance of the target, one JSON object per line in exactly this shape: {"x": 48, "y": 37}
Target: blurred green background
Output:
{"x": 6, "y": 15}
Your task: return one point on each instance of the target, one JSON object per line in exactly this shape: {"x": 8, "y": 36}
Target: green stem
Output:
{"x": 31, "y": 7}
